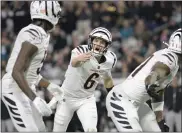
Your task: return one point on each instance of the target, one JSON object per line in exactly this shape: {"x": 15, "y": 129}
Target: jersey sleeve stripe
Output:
{"x": 114, "y": 60}
{"x": 78, "y": 49}
{"x": 173, "y": 57}
{"x": 168, "y": 57}
{"x": 86, "y": 49}
{"x": 33, "y": 34}
{"x": 112, "y": 53}
{"x": 82, "y": 49}
{"x": 35, "y": 31}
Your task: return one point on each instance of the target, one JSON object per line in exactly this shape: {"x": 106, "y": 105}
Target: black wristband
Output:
{"x": 163, "y": 126}
{"x": 109, "y": 89}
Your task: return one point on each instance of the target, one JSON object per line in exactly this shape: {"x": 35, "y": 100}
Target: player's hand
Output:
{"x": 84, "y": 57}
{"x": 42, "y": 107}
{"x": 152, "y": 91}
{"x": 53, "y": 103}
{"x": 56, "y": 90}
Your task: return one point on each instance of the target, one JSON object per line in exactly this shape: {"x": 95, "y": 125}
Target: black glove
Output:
{"x": 152, "y": 92}
{"x": 163, "y": 126}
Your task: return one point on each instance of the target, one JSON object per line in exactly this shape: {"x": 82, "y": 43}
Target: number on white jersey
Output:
{"x": 90, "y": 82}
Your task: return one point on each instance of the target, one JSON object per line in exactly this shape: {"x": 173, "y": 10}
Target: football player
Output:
{"x": 23, "y": 69}
{"x": 88, "y": 65}
{"x": 126, "y": 102}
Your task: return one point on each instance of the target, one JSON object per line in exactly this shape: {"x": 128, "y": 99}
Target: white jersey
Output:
{"x": 134, "y": 85}
{"x": 36, "y": 36}
{"x": 81, "y": 82}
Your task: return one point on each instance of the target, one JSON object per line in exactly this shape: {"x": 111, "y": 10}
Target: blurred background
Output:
{"x": 138, "y": 30}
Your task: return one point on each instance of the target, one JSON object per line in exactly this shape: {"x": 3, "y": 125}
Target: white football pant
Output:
{"x": 128, "y": 116}
{"x": 86, "y": 111}
{"x": 24, "y": 115}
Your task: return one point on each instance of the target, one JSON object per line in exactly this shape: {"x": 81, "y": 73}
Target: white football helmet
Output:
{"x": 46, "y": 10}
{"x": 175, "y": 41}
{"x": 102, "y": 33}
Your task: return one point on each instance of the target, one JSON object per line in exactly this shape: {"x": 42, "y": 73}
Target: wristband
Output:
{"x": 109, "y": 89}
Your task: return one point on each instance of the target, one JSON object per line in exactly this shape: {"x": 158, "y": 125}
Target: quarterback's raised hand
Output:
{"x": 42, "y": 107}
{"x": 80, "y": 58}
{"x": 84, "y": 56}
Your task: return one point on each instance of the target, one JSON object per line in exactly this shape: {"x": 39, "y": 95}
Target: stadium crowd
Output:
{"x": 138, "y": 30}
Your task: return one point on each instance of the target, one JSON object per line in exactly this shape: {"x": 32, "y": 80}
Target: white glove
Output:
{"x": 42, "y": 106}
{"x": 56, "y": 91}
{"x": 53, "y": 103}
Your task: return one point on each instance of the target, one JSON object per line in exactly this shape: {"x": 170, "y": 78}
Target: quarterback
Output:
{"x": 88, "y": 65}
{"x": 126, "y": 102}
{"x": 23, "y": 69}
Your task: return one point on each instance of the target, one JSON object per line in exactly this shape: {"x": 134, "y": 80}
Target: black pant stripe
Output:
{"x": 124, "y": 122}
{"x": 31, "y": 33}
{"x": 118, "y": 115}
{"x": 18, "y": 119}
{"x": 112, "y": 98}
{"x": 21, "y": 125}
{"x": 115, "y": 98}
{"x": 12, "y": 110}
{"x": 116, "y": 106}
{"x": 128, "y": 127}
{"x": 10, "y": 101}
